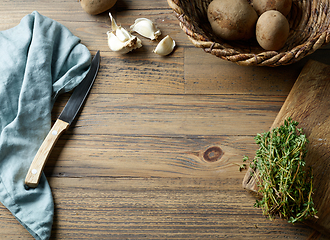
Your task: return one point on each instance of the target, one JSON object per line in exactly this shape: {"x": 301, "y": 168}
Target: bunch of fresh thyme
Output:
{"x": 284, "y": 182}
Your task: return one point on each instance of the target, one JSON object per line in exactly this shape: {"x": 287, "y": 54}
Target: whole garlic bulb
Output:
{"x": 120, "y": 40}
{"x": 146, "y": 28}
{"x": 165, "y": 46}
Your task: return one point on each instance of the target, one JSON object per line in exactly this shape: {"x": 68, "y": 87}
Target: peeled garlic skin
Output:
{"x": 146, "y": 28}
{"x": 165, "y": 46}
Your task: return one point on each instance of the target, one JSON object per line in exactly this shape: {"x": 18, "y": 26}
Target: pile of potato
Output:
{"x": 239, "y": 20}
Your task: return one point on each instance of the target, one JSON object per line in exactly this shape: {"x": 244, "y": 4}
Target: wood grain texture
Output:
{"x": 160, "y": 208}
{"x": 135, "y": 164}
{"x": 308, "y": 103}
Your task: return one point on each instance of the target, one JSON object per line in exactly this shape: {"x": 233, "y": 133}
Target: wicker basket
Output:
{"x": 309, "y": 30}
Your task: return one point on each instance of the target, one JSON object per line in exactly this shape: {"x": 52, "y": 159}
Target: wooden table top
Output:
{"x": 141, "y": 160}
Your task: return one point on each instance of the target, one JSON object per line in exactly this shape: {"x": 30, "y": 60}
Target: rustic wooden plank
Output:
{"x": 147, "y": 156}
{"x": 161, "y": 208}
{"x": 173, "y": 144}
{"x": 141, "y": 73}
{"x": 176, "y": 115}
{"x": 205, "y": 74}
{"x": 110, "y": 208}
{"x": 161, "y": 135}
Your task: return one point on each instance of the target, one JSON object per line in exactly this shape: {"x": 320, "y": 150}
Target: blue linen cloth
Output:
{"x": 39, "y": 59}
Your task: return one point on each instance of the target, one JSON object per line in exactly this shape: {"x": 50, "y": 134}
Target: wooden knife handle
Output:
{"x": 39, "y": 161}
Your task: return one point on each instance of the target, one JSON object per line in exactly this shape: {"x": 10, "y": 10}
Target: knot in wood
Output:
{"x": 213, "y": 154}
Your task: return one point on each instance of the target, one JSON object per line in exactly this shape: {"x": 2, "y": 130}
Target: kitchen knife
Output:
{"x": 63, "y": 122}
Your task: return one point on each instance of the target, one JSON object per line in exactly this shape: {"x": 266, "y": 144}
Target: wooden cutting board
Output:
{"x": 309, "y": 103}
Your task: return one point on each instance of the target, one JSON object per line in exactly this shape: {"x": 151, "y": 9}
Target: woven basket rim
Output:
{"x": 232, "y": 53}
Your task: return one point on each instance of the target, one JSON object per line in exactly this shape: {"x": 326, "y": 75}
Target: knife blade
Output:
{"x": 62, "y": 123}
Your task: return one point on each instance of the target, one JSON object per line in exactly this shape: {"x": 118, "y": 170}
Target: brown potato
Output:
{"x": 272, "y": 30}
{"x": 95, "y": 7}
{"x": 283, "y": 6}
{"x": 232, "y": 19}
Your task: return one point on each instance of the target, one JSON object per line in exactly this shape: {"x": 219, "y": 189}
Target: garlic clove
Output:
{"x": 165, "y": 46}
{"x": 146, "y": 28}
{"x": 120, "y": 40}
{"x": 114, "y": 43}
{"x": 122, "y": 34}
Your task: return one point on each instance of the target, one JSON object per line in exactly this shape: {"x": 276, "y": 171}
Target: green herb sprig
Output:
{"x": 285, "y": 183}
